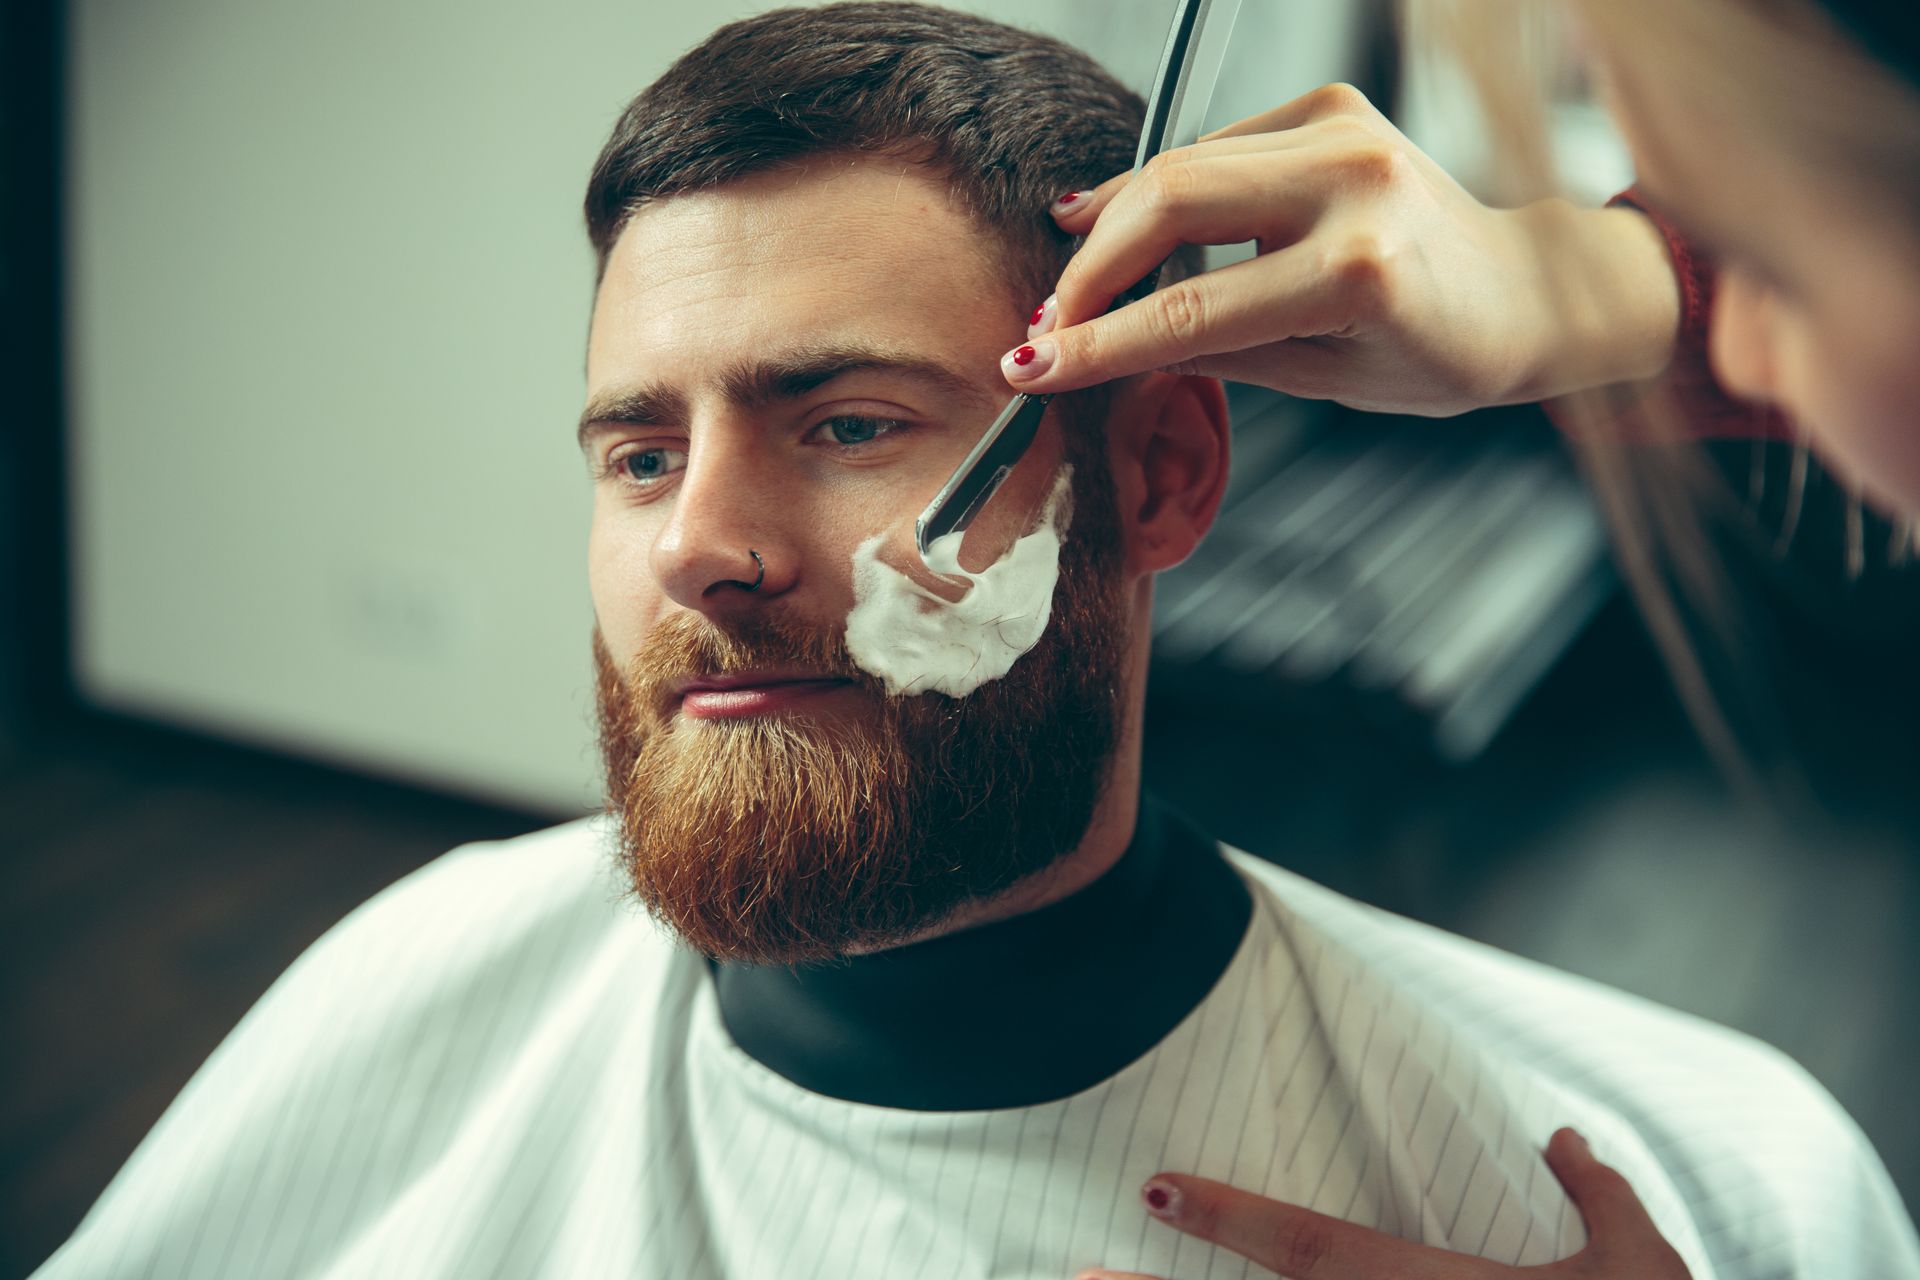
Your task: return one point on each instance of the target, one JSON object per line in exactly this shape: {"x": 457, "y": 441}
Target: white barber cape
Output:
{"x": 501, "y": 1067}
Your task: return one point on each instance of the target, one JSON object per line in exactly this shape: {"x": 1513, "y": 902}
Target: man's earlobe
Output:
{"x": 1183, "y": 458}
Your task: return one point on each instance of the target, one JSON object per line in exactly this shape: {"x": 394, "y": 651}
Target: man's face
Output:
{"x": 725, "y": 316}
{"x": 788, "y": 365}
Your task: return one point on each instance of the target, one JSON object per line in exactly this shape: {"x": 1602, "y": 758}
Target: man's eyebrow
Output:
{"x": 756, "y": 384}
{"x": 637, "y": 406}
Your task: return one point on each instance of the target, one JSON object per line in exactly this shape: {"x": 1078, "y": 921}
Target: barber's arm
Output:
{"x": 1622, "y": 1243}
{"x": 1380, "y": 282}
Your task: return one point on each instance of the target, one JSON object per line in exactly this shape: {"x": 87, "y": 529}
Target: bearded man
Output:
{"x": 876, "y": 969}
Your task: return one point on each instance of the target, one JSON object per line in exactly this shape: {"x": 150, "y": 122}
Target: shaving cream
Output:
{"x": 916, "y": 642}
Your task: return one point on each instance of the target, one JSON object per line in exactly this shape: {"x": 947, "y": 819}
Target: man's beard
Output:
{"x": 777, "y": 839}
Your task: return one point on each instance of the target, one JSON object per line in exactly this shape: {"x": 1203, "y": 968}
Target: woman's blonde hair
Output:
{"x": 1780, "y": 69}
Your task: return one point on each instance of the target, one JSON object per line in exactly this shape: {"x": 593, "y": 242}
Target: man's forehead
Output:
{"x": 862, "y": 215}
{"x": 866, "y": 254}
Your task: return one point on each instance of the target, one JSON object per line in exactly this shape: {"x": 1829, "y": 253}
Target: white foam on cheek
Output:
{"x": 916, "y": 642}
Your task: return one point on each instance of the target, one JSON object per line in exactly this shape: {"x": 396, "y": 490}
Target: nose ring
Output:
{"x": 758, "y": 578}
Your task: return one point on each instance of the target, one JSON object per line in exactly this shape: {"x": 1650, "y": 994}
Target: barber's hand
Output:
{"x": 1622, "y": 1243}
{"x": 1380, "y": 282}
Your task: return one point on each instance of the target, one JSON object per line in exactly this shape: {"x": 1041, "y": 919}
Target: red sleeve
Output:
{"x": 1706, "y": 410}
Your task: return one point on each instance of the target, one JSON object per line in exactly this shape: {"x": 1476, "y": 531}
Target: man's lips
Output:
{"x": 749, "y": 693}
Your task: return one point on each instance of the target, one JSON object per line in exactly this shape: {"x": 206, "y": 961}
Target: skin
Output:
{"x": 862, "y": 259}
{"x": 868, "y": 255}
{"x": 1823, "y": 324}
{"x": 1622, "y": 1245}
{"x": 1381, "y": 284}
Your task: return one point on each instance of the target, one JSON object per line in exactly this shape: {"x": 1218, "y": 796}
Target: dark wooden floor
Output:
{"x": 153, "y": 885}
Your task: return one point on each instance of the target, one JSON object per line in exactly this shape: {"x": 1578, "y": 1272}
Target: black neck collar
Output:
{"x": 1013, "y": 1013}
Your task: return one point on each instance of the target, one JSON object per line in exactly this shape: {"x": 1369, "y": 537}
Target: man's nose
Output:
{"x": 723, "y": 550}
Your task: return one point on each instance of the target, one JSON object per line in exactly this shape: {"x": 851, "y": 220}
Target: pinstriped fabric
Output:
{"x": 496, "y": 1069}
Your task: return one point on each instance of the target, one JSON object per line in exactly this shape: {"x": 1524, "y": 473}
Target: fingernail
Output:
{"x": 1163, "y": 1198}
{"x": 1042, "y": 320}
{"x": 1027, "y": 362}
{"x": 1066, "y": 201}
{"x": 1580, "y": 1139}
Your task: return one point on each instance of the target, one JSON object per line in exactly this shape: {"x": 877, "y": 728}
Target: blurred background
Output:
{"x": 292, "y": 592}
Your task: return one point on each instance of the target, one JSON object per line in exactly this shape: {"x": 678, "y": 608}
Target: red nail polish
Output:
{"x": 1034, "y": 319}
{"x": 1162, "y": 1199}
{"x": 1068, "y": 198}
{"x": 1025, "y": 354}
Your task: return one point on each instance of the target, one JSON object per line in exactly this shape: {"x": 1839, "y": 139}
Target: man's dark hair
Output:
{"x": 1012, "y": 118}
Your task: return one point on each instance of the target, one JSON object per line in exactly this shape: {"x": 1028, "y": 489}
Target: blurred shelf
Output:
{"x": 1421, "y": 576}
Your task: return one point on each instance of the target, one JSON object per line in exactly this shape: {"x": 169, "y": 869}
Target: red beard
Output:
{"x": 784, "y": 839}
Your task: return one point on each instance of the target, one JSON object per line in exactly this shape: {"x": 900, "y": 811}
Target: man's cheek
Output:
{"x": 626, "y": 600}
{"x": 848, "y": 504}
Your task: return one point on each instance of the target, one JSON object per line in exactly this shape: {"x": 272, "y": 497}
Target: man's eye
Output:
{"x": 851, "y": 431}
{"x": 644, "y": 466}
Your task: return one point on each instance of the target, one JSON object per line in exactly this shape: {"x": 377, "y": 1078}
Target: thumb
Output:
{"x": 1618, "y": 1225}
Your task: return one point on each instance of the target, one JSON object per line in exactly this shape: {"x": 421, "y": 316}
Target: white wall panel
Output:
{"x": 329, "y": 295}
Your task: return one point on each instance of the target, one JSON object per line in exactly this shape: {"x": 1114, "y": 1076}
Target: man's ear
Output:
{"x": 1171, "y": 467}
